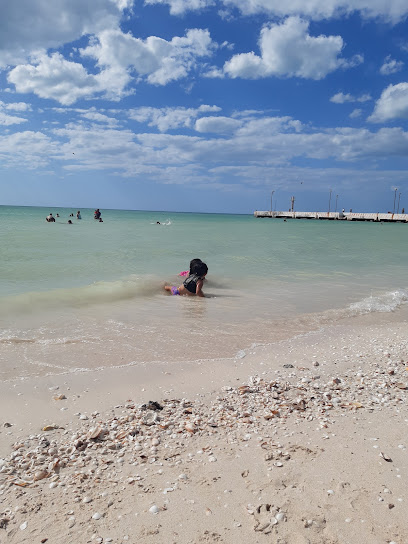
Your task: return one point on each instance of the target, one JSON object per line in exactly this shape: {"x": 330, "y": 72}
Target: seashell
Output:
{"x": 40, "y": 475}
{"x": 53, "y": 464}
{"x": 86, "y": 500}
{"x": 243, "y": 389}
{"x": 254, "y": 380}
{"x": 154, "y": 509}
{"x": 401, "y": 385}
{"x": 190, "y": 427}
{"x": 150, "y": 418}
{"x": 97, "y": 516}
{"x": 60, "y": 397}
{"x": 50, "y": 427}
{"x": 23, "y": 526}
{"x": 122, "y": 434}
{"x": 385, "y": 457}
{"x": 94, "y": 432}
{"x": 356, "y": 405}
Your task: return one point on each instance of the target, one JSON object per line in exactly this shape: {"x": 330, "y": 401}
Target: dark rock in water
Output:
{"x": 152, "y": 405}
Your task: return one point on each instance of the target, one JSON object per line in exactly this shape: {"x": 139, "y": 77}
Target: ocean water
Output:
{"x": 90, "y": 295}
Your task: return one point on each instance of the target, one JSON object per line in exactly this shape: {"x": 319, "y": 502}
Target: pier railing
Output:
{"x": 339, "y": 216}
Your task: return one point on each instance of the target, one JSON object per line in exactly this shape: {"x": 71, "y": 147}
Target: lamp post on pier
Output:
{"x": 271, "y": 199}
{"x": 395, "y": 196}
{"x": 399, "y": 198}
{"x": 330, "y": 193}
{"x": 337, "y": 196}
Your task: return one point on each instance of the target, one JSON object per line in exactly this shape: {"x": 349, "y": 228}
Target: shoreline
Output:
{"x": 319, "y": 457}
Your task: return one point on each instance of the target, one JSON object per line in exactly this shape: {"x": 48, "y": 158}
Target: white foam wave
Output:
{"x": 386, "y": 302}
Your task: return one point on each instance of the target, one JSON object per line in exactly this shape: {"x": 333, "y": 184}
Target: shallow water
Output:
{"x": 90, "y": 294}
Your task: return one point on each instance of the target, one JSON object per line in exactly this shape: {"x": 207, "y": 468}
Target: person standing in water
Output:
{"x": 192, "y": 285}
{"x": 79, "y": 215}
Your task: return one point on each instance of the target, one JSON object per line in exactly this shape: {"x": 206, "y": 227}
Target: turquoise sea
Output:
{"x": 90, "y": 294}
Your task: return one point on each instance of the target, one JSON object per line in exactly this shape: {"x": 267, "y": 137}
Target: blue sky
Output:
{"x": 204, "y": 105}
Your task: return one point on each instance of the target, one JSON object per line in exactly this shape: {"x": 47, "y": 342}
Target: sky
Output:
{"x": 204, "y": 105}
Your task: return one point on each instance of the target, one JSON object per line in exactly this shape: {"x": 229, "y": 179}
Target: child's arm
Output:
{"x": 199, "y": 287}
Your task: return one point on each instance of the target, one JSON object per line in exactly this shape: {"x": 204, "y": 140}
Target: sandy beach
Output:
{"x": 302, "y": 441}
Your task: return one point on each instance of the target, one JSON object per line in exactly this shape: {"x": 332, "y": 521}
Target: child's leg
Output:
{"x": 173, "y": 290}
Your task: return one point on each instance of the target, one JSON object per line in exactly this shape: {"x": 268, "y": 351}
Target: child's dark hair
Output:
{"x": 193, "y": 265}
{"x": 201, "y": 269}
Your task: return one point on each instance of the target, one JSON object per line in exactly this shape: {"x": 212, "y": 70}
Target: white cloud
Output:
{"x": 213, "y": 72}
{"x": 7, "y": 120}
{"x": 288, "y": 50}
{"x": 56, "y": 78}
{"x": 391, "y": 66}
{"x": 160, "y": 60}
{"x": 341, "y": 98}
{"x": 259, "y": 145}
{"x": 27, "y": 26}
{"x": 355, "y": 113}
{"x": 217, "y": 125}
{"x": 178, "y": 7}
{"x": 392, "y": 104}
{"x": 27, "y": 149}
{"x": 16, "y": 106}
{"x": 169, "y": 118}
{"x": 206, "y": 108}
{"x": 117, "y": 55}
{"x": 392, "y": 10}
{"x": 100, "y": 118}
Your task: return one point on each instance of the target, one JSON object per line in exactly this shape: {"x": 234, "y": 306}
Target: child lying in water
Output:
{"x": 194, "y": 283}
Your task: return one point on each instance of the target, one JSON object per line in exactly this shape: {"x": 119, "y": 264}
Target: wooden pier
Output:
{"x": 337, "y": 216}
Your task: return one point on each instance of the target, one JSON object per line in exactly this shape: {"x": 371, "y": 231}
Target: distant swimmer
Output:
{"x": 57, "y": 214}
{"x": 100, "y": 220}
{"x": 79, "y": 215}
{"x": 158, "y": 223}
{"x": 97, "y": 214}
{"x": 50, "y": 218}
{"x": 70, "y": 222}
